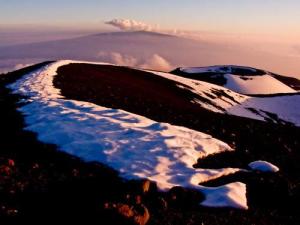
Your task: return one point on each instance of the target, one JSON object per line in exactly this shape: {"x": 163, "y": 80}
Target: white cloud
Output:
{"x": 134, "y": 25}
{"x": 117, "y": 58}
{"x": 154, "y": 62}
{"x": 131, "y": 25}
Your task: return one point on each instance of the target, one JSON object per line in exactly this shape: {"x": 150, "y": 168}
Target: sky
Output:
{"x": 281, "y": 17}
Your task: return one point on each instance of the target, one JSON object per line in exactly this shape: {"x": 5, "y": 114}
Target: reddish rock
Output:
{"x": 137, "y": 214}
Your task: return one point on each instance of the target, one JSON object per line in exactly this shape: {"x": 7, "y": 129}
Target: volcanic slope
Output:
{"x": 66, "y": 115}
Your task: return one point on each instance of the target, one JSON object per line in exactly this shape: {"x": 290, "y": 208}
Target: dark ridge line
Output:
{"x": 119, "y": 33}
{"x": 274, "y": 95}
{"x": 206, "y": 77}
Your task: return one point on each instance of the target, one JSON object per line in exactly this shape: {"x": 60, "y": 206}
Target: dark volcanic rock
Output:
{"x": 137, "y": 214}
{"x": 210, "y": 77}
{"x": 142, "y": 186}
{"x": 183, "y": 197}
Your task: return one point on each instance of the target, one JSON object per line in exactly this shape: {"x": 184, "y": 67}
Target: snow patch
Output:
{"x": 254, "y": 85}
{"x": 235, "y": 192}
{"x": 135, "y": 146}
{"x": 263, "y": 166}
{"x": 286, "y": 108}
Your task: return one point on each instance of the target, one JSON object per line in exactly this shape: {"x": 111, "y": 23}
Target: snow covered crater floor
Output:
{"x": 135, "y": 146}
{"x": 244, "y": 80}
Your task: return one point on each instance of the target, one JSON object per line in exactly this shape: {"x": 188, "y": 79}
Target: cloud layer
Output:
{"x": 154, "y": 62}
{"x": 131, "y": 25}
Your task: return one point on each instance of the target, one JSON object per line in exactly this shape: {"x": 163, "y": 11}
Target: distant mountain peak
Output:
{"x": 141, "y": 32}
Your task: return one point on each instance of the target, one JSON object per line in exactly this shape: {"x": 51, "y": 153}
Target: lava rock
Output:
{"x": 138, "y": 214}
{"x": 183, "y": 197}
{"x": 143, "y": 187}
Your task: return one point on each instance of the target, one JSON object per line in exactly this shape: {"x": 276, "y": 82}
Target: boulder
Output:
{"x": 138, "y": 214}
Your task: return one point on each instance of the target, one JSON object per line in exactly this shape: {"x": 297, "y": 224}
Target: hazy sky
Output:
{"x": 278, "y": 17}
